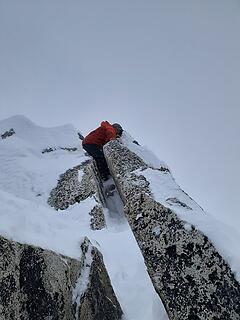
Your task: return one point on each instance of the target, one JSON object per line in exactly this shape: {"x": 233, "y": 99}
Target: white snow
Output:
{"x": 82, "y": 282}
{"x": 139, "y": 215}
{"x": 157, "y": 230}
{"x": 26, "y": 178}
{"x": 188, "y": 227}
{"x": 38, "y": 138}
{"x": 31, "y": 222}
{"x": 143, "y": 152}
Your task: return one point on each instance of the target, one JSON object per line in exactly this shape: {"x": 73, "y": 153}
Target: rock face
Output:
{"x": 190, "y": 276}
{"x": 8, "y": 133}
{"x": 39, "y": 284}
{"x": 71, "y": 189}
{"x": 98, "y": 301}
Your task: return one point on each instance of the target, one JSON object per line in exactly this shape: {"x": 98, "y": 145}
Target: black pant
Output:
{"x": 97, "y": 153}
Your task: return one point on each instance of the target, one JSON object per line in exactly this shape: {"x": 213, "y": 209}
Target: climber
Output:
{"x": 93, "y": 143}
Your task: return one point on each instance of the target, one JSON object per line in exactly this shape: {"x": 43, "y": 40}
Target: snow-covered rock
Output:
{"x": 28, "y": 175}
{"x": 97, "y": 298}
{"x": 40, "y": 284}
{"x": 188, "y": 267}
{"x": 76, "y": 185}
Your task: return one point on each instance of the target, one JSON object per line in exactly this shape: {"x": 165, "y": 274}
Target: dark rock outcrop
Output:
{"x": 190, "y": 276}
{"x": 80, "y": 136}
{"x": 8, "y": 133}
{"x": 98, "y": 302}
{"x": 40, "y": 284}
{"x": 35, "y": 283}
{"x": 97, "y": 218}
{"x": 71, "y": 189}
{"x": 51, "y": 149}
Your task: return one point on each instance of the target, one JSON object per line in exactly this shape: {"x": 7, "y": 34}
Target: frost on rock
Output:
{"x": 192, "y": 279}
{"x": 156, "y": 231}
{"x": 188, "y": 227}
{"x": 83, "y": 280}
{"x": 139, "y": 216}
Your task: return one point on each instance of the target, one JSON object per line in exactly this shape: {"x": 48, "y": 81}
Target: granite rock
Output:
{"x": 70, "y": 190}
{"x": 190, "y": 276}
{"x": 40, "y": 284}
{"x": 98, "y": 300}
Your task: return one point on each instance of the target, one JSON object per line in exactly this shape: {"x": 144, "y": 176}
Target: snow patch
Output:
{"x": 188, "y": 227}
{"x": 143, "y": 152}
{"x": 82, "y": 282}
{"x": 157, "y": 231}
{"x": 139, "y": 215}
{"x": 80, "y": 175}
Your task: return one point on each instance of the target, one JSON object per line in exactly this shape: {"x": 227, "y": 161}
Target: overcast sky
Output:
{"x": 168, "y": 71}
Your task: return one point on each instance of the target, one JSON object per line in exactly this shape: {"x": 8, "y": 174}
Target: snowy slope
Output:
{"x": 38, "y": 138}
{"x": 25, "y": 171}
{"x": 26, "y": 178}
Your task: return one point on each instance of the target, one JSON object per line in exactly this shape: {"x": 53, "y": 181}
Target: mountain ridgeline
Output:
{"x": 60, "y": 234}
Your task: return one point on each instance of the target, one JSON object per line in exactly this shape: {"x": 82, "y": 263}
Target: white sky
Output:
{"x": 168, "y": 71}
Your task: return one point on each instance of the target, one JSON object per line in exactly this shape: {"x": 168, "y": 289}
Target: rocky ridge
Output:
{"x": 190, "y": 276}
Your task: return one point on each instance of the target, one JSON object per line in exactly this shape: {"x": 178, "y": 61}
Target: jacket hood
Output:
{"x": 105, "y": 124}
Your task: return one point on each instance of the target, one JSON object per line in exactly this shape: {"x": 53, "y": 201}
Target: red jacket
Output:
{"x": 101, "y": 135}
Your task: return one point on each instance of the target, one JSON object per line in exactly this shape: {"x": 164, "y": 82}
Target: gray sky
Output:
{"x": 168, "y": 71}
